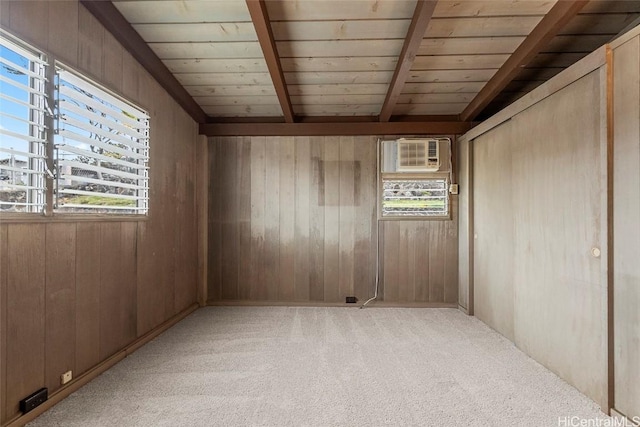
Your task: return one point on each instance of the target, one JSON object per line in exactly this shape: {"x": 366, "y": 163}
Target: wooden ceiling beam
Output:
{"x": 260, "y": 18}
{"x": 128, "y": 37}
{"x": 421, "y": 17}
{"x": 337, "y": 128}
{"x": 552, "y": 23}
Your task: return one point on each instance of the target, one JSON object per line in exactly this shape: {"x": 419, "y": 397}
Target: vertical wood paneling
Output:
{"x": 302, "y": 253}
{"x": 348, "y": 184}
{"x": 626, "y": 226}
{"x": 186, "y": 248}
{"x": 215, "y": 223}
{"x": 316, "y": 221}
{"x": 331, "y": 171}
{"x": 165, "y": 191}
{"x": 406, "y": 245}
{"x": 131, "y": 70}
{"x": 436, "y": 233}
{"x": 4, "y": 255}
{"x": 112, "y": 53}
{"x": 26, "y": 312}
{"x": 535, "y": 278}
{"x": 244, "y": 216}
{"x": 391, "y": 238}
{"x": 202, "y": 211}
{"x": 229, "y": 199}
{"x": 149, "y": 295}
{"x": 493, "y": 287}
{"x": 272, "y": 218}
{"x": 128, "y": 277}
{"x": 419, "y": 261}
{"x": 421, "y": 270}
{"x": 309, "y": 205}
{"x": 365, "y": 216}
{"x": 286, "y": 288}
{"x": 87, "y": 296}
{"x": 5, "y": 13}
{"x": 465, "y": 225}
{"x": 90, "y": 43}
{"x": 258, "y": 200}
{"x": 117, "y": 286}
{"x": 451, "y": 255}
{"x": 23, "y": 15}
{"x": 60, "y": 304}
{"x": 63, "y": 30}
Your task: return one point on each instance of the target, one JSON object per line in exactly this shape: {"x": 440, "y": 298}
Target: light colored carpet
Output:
{"x": 282, "y": 366}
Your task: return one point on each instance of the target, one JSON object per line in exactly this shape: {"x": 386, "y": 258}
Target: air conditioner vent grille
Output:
{"x": 412, "y": 154}
{"x": 418, "y": 155}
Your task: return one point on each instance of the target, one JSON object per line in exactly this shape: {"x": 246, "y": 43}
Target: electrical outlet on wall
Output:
{"x": 66, "y": 377}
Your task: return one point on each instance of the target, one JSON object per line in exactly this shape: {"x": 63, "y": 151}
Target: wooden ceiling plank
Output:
{"x": 255, "y": 65}
{"x": 443, "y": 76}
{"x": 419, "y": 23}
{"x": 456, "y": 8}
{"x": 260, "y": 19}
{"x": 223, "y": 79}
{"x": 215, "y": 50}
{"x": 338, "y": 48}
{"x": 436, "y": 98}
{"x": 230, "y": 90}
{"x": 490, "y": 26}
{"x": 365, "y": 63}
{"x": 553, "y": 23}
{"x": 458, "y": 62}
{"x": 341, "y": 29}
{"x": 197, "y": 32}
{"x": 335, "y": 128}
{"x": 335, "y": 77}
{"x": 339, "y": 89}
{"x": 470, "y": 45}
{"x": 453, "y": 108}
{"x": 117, "y": 25}
{"x": 344, "y": 10}
{"x": 244, "y": 110}
{"x": 174, "y": 11}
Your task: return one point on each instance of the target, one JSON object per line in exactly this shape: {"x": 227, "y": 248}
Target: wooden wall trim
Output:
{"x": 334, "y": 129}
{"x": 202, "y": 202}
{"x": 85, "y": 378}
{"x": 547, "y": 28}
{"x": 415, "y": 34}
{"x": 607, "y": 211}
{"x": 373, "y": 304}
{"x": 129, "y": 38}
{"x": 591, "y": 62}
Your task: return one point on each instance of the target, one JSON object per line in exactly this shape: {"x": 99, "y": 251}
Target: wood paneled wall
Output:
{"x": 72, "y": 293}
{"x": 626, "y": 225}
{"x": 539, "y": 210}
{"x": 293, "y": 219}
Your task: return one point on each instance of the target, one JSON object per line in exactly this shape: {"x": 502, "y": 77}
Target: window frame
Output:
{"x": 383, "y": 176}
{"x": 38, "y": 131}
{"x": 103, "y": 94}
{"x": 46, "y": 123}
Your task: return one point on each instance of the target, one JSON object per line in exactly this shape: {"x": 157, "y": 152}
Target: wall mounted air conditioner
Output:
{"x": 417, "y": 155}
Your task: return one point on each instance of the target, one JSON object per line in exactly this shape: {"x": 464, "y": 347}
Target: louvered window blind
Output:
{"x": 426, "y": 197}
{"x": 102, "y": 149}
{"x": 22, "y": 127}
